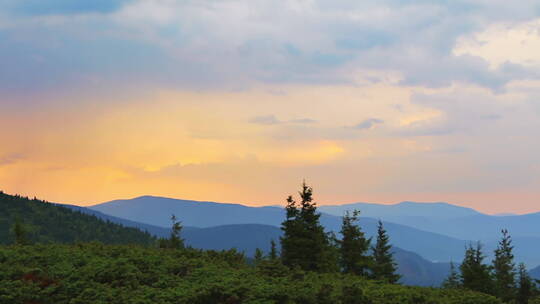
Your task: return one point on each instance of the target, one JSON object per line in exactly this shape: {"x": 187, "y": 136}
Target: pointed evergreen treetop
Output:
{"x": 384, "y": 267}
{"x": 504, "y": 269}
{"x": 354, "y": 246}
{"x": 475, "y": 275}
{"x": 304, "y": 243}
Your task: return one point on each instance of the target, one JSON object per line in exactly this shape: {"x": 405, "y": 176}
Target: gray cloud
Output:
{"x": 208, "y": 44}
{"x": 367, "y": 124}
{"x": 303, "y": 121}
{"x": 10, "y": 159}
{"x": 265, "y": 120}
{"x": 273, "y": 120}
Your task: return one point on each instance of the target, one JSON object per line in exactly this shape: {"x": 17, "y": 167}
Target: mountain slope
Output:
{"x": 47, "y": 222}
{"x": 404, "y": 209}
{"x": 415, "y": 270}
{"x": 157, "y": 210}
{"x": 535, "y": 273}
{"x": 153, "y": 230}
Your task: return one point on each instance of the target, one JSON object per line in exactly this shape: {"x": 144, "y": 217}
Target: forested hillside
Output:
{"x": 50, "y": 223}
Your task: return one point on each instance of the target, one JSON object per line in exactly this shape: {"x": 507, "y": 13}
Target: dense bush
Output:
{"x": 97, "y": 273}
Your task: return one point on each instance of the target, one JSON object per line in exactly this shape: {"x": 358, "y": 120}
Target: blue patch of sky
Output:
{"x": 330, "y": 59}
{"x": 62, "y": 7}
{"x": 364, "y": 40}
{"x": 31, "y": 65}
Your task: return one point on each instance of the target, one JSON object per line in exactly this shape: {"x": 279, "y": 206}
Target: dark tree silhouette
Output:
{"x": 475, "y": 275}
{"x": 384, "y": 267}
{"x": 354, "y": 246}
{"x": 504, "y": 269}
{"x": 304, "y": 242}
{"x": 526, "y": 287}
{"x": 174, "y": 241}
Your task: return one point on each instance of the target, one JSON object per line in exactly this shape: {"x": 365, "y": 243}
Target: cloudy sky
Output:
{"x": 239, "y": 100}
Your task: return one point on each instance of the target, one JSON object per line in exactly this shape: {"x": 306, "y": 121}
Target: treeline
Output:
{"x": 26, "y": 220}
{"x": 306, "y": 245}
{"x": 502, "y": 278}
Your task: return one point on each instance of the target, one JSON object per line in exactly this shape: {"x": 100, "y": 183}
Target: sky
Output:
{"x": 240, "y": 100}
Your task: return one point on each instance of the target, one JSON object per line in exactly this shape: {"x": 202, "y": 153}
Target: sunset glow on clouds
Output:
{"x": 238, "y": 101}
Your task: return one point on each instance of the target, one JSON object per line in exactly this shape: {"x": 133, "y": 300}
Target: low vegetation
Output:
{"x": 97, "y": 273}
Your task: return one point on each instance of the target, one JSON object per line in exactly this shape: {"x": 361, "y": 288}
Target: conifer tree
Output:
{"x": 526, "y": 287}
{"x": 452, "y": 281}
{"x": 504, "y": 269}
{"x": 475, "y": 275}
{"x": 174, "y": 241}
{"x": 304, "y": 242}
{"x": 354, "y": 246}
{"x": 384, "y": 266}
{"x": 273, "y": 251}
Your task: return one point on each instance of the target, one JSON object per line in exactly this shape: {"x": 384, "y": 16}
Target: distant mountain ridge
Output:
{"x": 439, "y": 210}
{"x": 443, "y": 218}
{"x": 415, "y": 270}
{"x": 157, "y": 211}
{"x": 441, "y": 237}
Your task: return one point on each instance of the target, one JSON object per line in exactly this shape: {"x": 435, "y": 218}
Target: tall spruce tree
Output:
{"x": 304, "y": 242}
{"x": 475, "y": 275}
{"x": 453, "y": 280}
{"x": 354, "y": 246}
{"x": 526, "y": 287}
{"x": 174, "y": 241}
{"x": 384, "y": 267}
{"x": 504, "y": 268}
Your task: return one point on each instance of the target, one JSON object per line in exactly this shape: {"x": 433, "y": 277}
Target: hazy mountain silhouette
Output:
{"x": 454, "y": 221}
{"x": 157, "y": 211}
{"x": 437, "y": 210}
{"x": 535, "y": 273}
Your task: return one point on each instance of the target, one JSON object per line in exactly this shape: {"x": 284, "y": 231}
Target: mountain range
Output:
{"x": 415, "y": 269}
{"x": 443, "y": 218}
{"x": 157, "y": 211}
